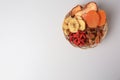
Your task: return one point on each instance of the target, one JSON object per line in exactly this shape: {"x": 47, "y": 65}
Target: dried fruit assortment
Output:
{"x": 85, "y": 26}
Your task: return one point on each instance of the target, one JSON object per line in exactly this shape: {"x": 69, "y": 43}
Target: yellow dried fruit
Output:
{"x": 65, "y": 26}
{"x": 73, "y": 25}
{"x": 82, "y": 25}
{"x": 66, "y": 32}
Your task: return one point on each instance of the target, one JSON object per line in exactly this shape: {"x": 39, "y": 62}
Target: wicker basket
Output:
{"x": 105, "y": 29}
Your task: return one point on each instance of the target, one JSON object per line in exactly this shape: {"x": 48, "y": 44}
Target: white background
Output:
{"x": 33, "y": 47}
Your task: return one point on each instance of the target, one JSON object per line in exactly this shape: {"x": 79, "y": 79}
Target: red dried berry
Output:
{"x": 78, "y": 38}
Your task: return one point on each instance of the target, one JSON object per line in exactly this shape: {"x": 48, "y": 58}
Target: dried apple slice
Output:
{"x": 90, "y": 6}
{"x": 75, "y": 10}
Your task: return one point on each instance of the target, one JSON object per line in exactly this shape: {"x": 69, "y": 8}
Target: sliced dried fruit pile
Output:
{"x": 85, "y": 26}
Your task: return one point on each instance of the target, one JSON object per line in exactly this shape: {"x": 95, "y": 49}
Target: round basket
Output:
{"x": 103, "y": 30}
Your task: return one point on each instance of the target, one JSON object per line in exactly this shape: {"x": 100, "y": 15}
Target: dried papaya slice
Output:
{"x": 91, "y": 18}
{"x": 102, "y": 15}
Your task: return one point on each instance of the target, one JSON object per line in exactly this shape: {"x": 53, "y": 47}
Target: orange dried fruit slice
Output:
{"x": 102, "y": 15}
{"x": 91, "y": 18}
